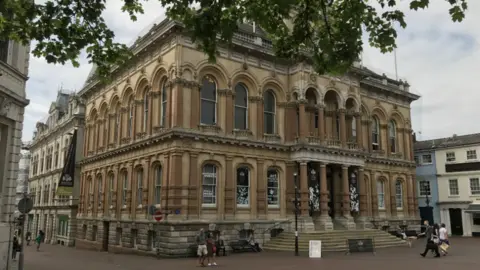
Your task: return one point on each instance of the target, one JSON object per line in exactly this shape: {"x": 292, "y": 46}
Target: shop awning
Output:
{"x": 473, "y": 208}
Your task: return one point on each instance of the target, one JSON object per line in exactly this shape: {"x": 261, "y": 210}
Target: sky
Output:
{"x": 436, "y": 56}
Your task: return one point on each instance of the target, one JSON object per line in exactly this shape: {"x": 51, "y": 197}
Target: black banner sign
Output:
{"x": 68, "y": 172}
{"x": 360, "y": 245}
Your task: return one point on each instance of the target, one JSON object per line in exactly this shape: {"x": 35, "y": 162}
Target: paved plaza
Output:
{"x": 464, "y": 255}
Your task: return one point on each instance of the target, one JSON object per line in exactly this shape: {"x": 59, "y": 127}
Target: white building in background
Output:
{"x": 52, "y": 213}
{"x": 23, "y": 171}
{"x": 14, "y": 63}
{"x": 458, "y": 176}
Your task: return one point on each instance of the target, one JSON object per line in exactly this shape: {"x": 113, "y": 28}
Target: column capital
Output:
{"x": 303, "y": 163}
{"x": 345, "y": 167}
{"x": 323, "y": 165}
{"x": 361, "y": 169}
{"x": 260, "y": 161}
{"x": 320, "y": 106}
{"x": 341, "y": 111}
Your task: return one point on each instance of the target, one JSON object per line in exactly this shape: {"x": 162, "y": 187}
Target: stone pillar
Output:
{"x": 368, "y": 128}
{"x": 393, "y": 197}
{"x": 130, "y": 187}
{"x": 195, "y": 107}
{"x": 345, "y": 191}
{"x": 324, "y": 222}
{"x": 373, "y": 182}
{"x": 229, "y": 189}
{"x": 358, "y": 125}
{"x": 383, "y": 132}
{"x": 260, "y": 119}
{"x": 261, "y": 190}
{"x": 176, "y": 184}
{"x": 306, "y": 219}
{"x": 168, "y": 118}
{"x": 147, "y": 190}
{"x": 167, "y": 182}
{"x": 194, "y": 184}
{"x": 177, "y": 90}
{"x": 406, "y": 154}
{"x": 410, "y": 197}
{"x": 321, "y": 122}
{"x": 362, "y": 192}
{"x": 343, "y": 129}
{"x": 289, "y": 121}
{"x": 230, "y": 114}
{"x": 290, "y": 187}
{"x": 302, "y": 119}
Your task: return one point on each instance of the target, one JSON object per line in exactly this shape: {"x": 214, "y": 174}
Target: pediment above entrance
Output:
{"x": 304, "y": 155}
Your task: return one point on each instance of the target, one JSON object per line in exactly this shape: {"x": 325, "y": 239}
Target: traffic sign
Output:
{"x": 25, "y": 205}
{"x": 152, "y": 209}
{"x": 158, "y": 216}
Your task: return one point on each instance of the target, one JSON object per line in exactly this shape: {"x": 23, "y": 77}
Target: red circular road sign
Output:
{"x": 158, "y": 216}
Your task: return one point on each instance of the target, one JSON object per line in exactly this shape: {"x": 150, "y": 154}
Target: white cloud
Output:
{"x": 436, "y": 56}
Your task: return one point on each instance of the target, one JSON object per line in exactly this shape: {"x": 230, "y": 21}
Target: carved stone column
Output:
{"x": 230, "y": 114}
{"x": 177, "y": 90}
{"x": 345, "y": 192}
{"x": 373, "y": 181}
{"x": 304, "y": 188}
{"x": 393, "y": 197}
{"x": 324, "y": 221}
{"x": 302, "y": 119}
{"x": 321, "y": 122}
{"x": 260, "y": 119}
{"x": 176, "y": 185}
{"x": 384, "y": 136}
{"x": 195, "y": 107}
{"x": 147, "y": 197}
{"x": 358, "y": 125}
{"x": 229, "y": 189}
{"x": 343, "y": 128}
{"x": 406, "y": 146}
{"x": 165, "y": 197}
{"x": 261, "y": 190}
{"x": 290, "y": 121}
{"x": 368, "y": 127}
{"x": 130, "y": 187}
{"x": 362, "y": 192}
{"x": 124, "y": 123}
{"x": 168, "y": 118}
{"x": 116, "y": 200}
{"x": 194, "y": 184}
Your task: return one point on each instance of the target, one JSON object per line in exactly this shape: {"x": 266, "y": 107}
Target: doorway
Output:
{"x": 106, "y": 233}
{"x": 456, "y": 224}
{"x": 331, "y": 193}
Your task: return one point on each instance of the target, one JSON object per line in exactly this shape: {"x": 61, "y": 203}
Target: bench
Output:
{"x": 242, "y": 246}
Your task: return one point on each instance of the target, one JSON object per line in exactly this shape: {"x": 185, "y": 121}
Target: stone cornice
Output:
{"x": 61, "y": 129}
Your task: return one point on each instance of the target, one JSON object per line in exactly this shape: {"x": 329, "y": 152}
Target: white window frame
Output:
{"x": 392, "y": 135}
{"x": 274, "y": 114}
{"x": 381, "y": 195}
{"x": 477, "y": 191}
{"x": 124, "y": 189}
{"x": 375, "y": 134}
{"x": 399, "y": 195}
{"x": 420, "y": 188}
{"x": 163, "y": 107}
{"x": 99, "y": 191}
{"x": 157, "y": 196}
{"x": 215, "y": 116}
{"x": 427, "y": 163}
{"x": 111, "y": 186}
{"x": 139, "y": 177}
{"x": 146, "y": 108}
{"x": 471, "y": 154}
{"x": 235, "y": 106}
{"x": 450, "y": 157}
{"x": 450, "y": 181}
{"x": 213, "y": 175}
{"x": 277, "y": 204}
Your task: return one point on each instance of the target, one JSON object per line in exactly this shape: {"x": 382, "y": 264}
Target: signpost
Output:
{"x": 25, "y": 205}
{"x": 315, "y": 249}
{"x": 158, "y": 216}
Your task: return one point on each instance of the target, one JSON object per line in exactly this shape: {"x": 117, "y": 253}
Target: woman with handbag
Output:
{"x": 429, "y": 234}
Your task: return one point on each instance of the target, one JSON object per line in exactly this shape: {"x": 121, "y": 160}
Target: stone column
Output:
{"x": 229, "y": 189}
{"x": 358, "y": 125}
{"x": 176, "y": 185}
{"x": 261, "y": 190}
{"x": 406, "y": 153}
{"x": 147, "y": 190}
{"x": 260, "y": 119}
{"x": 303, "y": 120}
{"x": 166, "y": 185}
{"x": 362, "y": 192}
{"x": 343, "y": 128}
{"x": 324, "y": 221}
{"x": 321, "y": 122}
{"x": 168, "y": 118}
{"x": 383, "y": 132}
{"x": 345, "y": 191}
{"x": 195, "y": 107}
{"x": 194, "y": 185}
{"x": 410, "y": 197}
{"x": 290, "y": 187}
{"x": 130, "y": 187}
{"x": 393, "y": 197}
{"x": 368, "y": 128}
{"x": 230, "y": 114}
{"x": 116, "y": 201}
{"x": 373, "y": 182}
{"x": 177, "y": 89}
{"x": 303, "y": 189}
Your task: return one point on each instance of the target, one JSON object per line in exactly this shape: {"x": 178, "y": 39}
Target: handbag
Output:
{"x": 435, "y": 240}
{"x": 444, "y": 246}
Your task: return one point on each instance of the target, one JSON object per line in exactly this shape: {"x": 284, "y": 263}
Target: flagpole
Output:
{"x": 395, "y": 60}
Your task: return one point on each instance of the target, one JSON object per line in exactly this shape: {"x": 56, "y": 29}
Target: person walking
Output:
{"x": 38, "y": 240}
{"x": 15, "y": 248}
{"x": 430, "y": 245}
{"x": 28, "y": 238}
{"x": 212, "y": 250}
{"x": 443, "y": 235}
{"x": 202, "y": 251}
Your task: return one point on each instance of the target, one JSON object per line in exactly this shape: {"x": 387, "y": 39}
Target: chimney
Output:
{"x": 414, "y": 137}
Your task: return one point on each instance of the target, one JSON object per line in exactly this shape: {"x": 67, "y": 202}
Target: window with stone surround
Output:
{"x": 158, "y": 185}
{"x": 209, "y": 185}
{"x": 453, "y": 187}
{"x": 399, "y": 194}
{"x": 424, "y": 187}
{"x": 124, "y": 188}
{"x": 241, "y": 107}
{"x": 131, "y": 111}
{"x": 474, "y": 186}
{"x": 57, "y": 148}
{"x": 208, "y": 98}
{"x": 99, "y": 190}
{"x": 145, "y": 109}
{"x": 375, "y": 133}
{"x": 392, "y": 136}
{"x": 139, "y": 186}
{"x": 243, "y": 187}
{"x": 471, "y": 154}
{"x": 111, "y": 188}
{"x": 450, "y": 156}
{"x": 269, "y": 112}
{"x": 118, "y": 119}
{"x": 381, "y": 194}
{"x": 163, "y": 110}
{"x": 273, "y": 190}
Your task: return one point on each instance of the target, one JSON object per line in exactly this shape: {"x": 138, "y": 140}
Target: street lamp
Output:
{"x": 425, "y": 187}
{"x": 296, "y": 213}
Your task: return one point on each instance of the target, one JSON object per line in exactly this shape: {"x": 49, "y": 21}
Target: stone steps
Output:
{"x": 331, "y": 240}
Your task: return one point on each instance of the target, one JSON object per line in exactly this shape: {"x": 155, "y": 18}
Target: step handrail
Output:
{"x": 274, "y": 226}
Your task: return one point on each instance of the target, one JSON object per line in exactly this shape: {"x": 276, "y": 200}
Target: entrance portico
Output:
{"x": 332, "y": 190}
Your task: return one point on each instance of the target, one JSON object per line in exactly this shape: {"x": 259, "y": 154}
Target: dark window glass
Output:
{"x": 208, "y": 104}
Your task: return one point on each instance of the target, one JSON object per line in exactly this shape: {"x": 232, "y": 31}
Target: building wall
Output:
{"x": 427, "y": 171}
{"x": 131, "y": 132}
{"x": 13, "y": 76}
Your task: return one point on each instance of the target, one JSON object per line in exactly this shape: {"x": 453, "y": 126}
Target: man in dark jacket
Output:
{"x": 430, "y": 245}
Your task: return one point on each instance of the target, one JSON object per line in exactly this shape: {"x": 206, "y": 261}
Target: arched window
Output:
{"x": 145, "y": 111}
{"x": 131, "y": 109}
{"x": 399, "y": 194}
{"x": 273, "y": 190}
{"x": 381, "y": 194}
{"x": 164, "y": 103}
{"x": 118, "y": 119}
{"x": 208, "y": 97}
{"x": 269, "y": 111}
{"x": 241, "y": 107}
{"x": 243, "y": 187}
{"x": 106, "y": 135}
{"x": 209, "y": 185}
{"x": 375, "y": 134}
{"x": 57, "y": 148}
{"x": 111, "y": 188}
{"x": 99, "y": 191}
{"x": 354, "y": 127}
{"x": 158, "y": 185}
{"x": 392, "y": 136}
{"x": 124, "y": 188}
{"x": 139, "y": 186}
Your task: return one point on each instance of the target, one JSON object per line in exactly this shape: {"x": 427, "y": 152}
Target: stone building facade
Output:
{"x": 53, "y": 213}
{"x": 14, "y": 61}
{"x": 218, "y": 146}
{"x": 23, "y": 171}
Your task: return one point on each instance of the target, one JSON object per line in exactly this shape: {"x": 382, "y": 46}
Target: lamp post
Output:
{"x": 425, "y": 186}
{"x": 296, "y": 213}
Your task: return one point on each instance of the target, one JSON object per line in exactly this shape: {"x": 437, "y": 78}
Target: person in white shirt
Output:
{"x": 443, "y": 235}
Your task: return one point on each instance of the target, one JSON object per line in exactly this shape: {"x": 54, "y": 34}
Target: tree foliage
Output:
{"x": 331, "y": 29}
